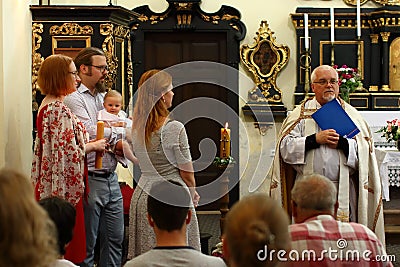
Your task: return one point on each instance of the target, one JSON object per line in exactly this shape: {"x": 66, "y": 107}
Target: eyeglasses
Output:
{"x": 100, "y": 68}
{"x": 75, "y": 73}
{"x": 325, "y": 82}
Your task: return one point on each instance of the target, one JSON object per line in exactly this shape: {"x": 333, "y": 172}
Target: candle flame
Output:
{"x": 226, "y": 125}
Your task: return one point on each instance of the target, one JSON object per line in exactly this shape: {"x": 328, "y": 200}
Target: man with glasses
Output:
{"x": 350, "y": 163}
{"x": 103, "y": 208}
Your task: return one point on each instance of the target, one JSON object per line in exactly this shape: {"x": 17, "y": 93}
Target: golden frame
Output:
{"x": 324, "y": 44}
{"x": 264, "y": 59}
{"x": 68, "y": 51}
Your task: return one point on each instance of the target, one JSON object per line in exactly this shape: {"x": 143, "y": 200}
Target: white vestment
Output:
{"x": 361, "y": 165}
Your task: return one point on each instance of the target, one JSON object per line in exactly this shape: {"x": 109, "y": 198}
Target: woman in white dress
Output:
{"x": 161, "y": 146}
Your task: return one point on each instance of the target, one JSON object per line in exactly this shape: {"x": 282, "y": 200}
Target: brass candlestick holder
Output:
{"x": 359, "y": 42}
{"x": 306, "y": 58}
{"x": 332, "y": 54}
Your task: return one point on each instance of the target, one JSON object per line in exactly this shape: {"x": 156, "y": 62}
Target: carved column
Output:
{"x": 385, "y": 61}
{"x": 375, "y": 64}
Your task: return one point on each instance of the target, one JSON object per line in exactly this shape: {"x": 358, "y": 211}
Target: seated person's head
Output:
{"x": 312, "y": 196}
{"x": 113, "y": 102}
{"x": 255, "y": 225}
{"x": 28, "y": 236}
{"x": 168, "y": 206}
{"x": 63, "y": 215}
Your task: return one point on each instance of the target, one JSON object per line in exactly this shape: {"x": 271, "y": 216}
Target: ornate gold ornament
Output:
{"x": 71, "y": 29}
{"x": 183, "y": 6}
{"x": 374, "y": 38}
{"x": 108, "y": 48}
{"x": 37, "y": 59}
{"x": 385, "y": 36}
{"x": 264, "y": 59}
{"x": 381, "y": 2}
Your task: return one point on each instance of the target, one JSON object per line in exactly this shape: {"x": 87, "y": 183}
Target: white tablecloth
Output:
{"x": 389, "y": 169}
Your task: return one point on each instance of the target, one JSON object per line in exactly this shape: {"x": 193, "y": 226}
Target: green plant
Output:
{"x": 349, "y": 81}
{"x": 221, "y": 162}
{"x": 391, "y": 131}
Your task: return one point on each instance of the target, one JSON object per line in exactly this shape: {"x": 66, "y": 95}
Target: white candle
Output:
{"x": 306, "y": 44}
{"x": 332, "y": 11}
{"x": 358, "y": 19}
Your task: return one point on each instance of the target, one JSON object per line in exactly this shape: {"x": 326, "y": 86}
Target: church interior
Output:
{"x": 252, "y": 58}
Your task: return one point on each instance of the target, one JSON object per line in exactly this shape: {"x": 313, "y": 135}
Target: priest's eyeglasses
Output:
{"x": 325, "y": 82}
{"x": 100, "y": 68}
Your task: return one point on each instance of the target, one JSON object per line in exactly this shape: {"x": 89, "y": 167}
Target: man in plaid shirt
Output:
{"x": 319, "y": 240}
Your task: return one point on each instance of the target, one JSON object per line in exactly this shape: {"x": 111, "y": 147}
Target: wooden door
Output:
{"x": 163, "y": 50}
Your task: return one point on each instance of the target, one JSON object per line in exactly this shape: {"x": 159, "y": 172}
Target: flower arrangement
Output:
{"x": 391, "y": 131}
{"x": 349, "y": 81}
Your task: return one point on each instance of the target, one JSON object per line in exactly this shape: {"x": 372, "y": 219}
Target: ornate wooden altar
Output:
{"x": 68, "y": 29}
{"x": 375, "y": 53}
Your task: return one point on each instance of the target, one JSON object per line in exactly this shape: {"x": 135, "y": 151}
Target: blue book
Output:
{"x": 333, "y": 116}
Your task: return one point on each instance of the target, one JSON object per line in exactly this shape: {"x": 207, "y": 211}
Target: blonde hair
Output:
{"x": 54, "y": 77}
{"x": 28, "y": 236}
{"x": 150, "y": 110}
{"x": 254, "y": 223}
{"x": 113, "y": 93}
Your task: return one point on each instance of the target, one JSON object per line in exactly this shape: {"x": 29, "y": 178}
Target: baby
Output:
{"x": 112, "y": 115}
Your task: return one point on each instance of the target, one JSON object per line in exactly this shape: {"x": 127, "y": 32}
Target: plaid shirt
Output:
{"x": 86, "y": 106}
{"x": 336, "y": 243}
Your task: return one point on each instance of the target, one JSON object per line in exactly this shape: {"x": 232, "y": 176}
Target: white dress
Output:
{"x": 169, "y": 146}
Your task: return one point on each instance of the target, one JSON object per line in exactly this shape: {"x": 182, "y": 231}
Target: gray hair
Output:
{"x": 322, "y": 67}
{"x": 315, "y": 192}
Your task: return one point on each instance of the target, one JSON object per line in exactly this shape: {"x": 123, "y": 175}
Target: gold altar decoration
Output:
{"x": 108, "y": 47}
{"x": 264, "y": 59}
{"x": 381, "y": 2}
{"x": 37, "y": 59}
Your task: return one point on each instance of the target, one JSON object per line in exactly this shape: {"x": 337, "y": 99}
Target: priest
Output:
{"x": 350, "y": 163}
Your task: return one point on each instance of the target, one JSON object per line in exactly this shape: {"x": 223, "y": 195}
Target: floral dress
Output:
{"x": 58, "y": 166}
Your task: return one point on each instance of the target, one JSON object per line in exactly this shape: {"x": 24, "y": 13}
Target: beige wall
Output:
{"x": 15, "y": 76}
{"x": 15, "y": 86}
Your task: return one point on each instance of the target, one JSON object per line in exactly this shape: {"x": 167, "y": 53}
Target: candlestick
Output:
{"x": 99, "y": 135}
{"x": 306, "y": 56}
{"x": 225, "y": 142}
{"x": 332, "y": 12}
{"x": 358, "y": 18}
{"x": 306, "y": 44}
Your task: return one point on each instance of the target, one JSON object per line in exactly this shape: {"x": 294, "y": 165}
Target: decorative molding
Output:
{"x": 183, "y": 6}
{"x": 121, "y": 31}
{"x": 185, "y": 12}
{"x": 385, "y": 36}
{"x": 37, "y": 59}
{"x": 129, "y": 67}
{"x": 71, "y": 29}
{"x": 381, "y": 2}
{"x": 374, "y": 38}
{"x": 108, "y": 47}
